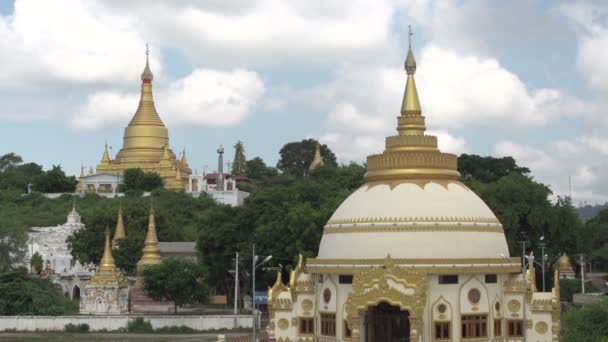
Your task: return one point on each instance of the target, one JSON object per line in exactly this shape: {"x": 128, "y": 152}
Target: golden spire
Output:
{"x": 151, "y": 255}
{"x": 317, "y": 160}
{"x": 146, "y": 113}
{"x": 91, "y": 171}
{"x": 107, "y": 273}
{"x": 119, "y": 232}
{"x": 81, "y": 170}
{"x": 184, "y": 160}
{"x": 107, "y": 264}
{"x": 411, "y": 154}
{"x": 105, "y": 159}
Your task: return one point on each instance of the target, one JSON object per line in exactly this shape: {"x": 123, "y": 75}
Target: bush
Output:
{"x": 76, "y": 328}
{"x": 139, "y": 325}
{"x": 587, "y": 324}
{"x": 182, "y": 329}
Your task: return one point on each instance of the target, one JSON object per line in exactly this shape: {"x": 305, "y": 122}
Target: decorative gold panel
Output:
{"x": 283, "y": 324}
{"x": 514, "y": 305}
{"x": 541, "y": 327}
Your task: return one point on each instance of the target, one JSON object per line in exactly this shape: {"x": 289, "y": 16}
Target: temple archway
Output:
{"x": 387, "y": 323}
{"x": 76, "y": 292}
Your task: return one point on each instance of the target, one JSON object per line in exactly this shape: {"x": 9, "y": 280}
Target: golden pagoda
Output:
{"x": 146, "y": 143}
{"x": 119, "y": 232}
{"x": 151, "y": 250}
{"x": 107, "y": 273}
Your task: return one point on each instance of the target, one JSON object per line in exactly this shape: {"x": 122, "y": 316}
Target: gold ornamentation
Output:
{"x": 415, "y": 219}
{"x": 408, "y": 261}
{"x": 376, "y": 285}
{"x": 283, "y": 324}
{"x": 446, "y": 269}
{"x": 413, "y": 228}
{"x": 108, "y": 274}
{"x": 277, "y": 288}
{"x": 307, "y": 305}
{"x": 295, "y": 274}
{"x": 541, "y": 327}
{"x": 151, "y": 250}
{"x": 514, "y": 305}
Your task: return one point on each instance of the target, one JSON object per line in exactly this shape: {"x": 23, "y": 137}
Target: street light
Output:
{"x": 254, "y": 267}
{"x": 544, "y": 258}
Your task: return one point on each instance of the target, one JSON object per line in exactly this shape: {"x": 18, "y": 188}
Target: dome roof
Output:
{"x": 413, "y": 220}
{"x": 413, "y": 205}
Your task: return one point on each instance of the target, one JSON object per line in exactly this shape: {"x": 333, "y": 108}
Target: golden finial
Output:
{"x": 147, "y": 75}
{"x": 119, "y": 232}
{"x": 105, "y": 159}
{"x": 184, "y": 159}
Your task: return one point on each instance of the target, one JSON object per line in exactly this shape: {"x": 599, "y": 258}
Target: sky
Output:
{"x": 521, "y": 78}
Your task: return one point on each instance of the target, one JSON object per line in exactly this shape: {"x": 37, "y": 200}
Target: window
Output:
{"x": 515, "y": 328}
{"x": 491, "y": 279}
{"x": 474, "y": 326}
{"x": 497, "y": 327}
{"x": 328, "y": 324}
{"x": 307, "y": 326}
{"x": 347, "y": 332}
{"x": 345, "y": 279}
{"x": 442, "y": 330}
{"x": 448, "y": 279}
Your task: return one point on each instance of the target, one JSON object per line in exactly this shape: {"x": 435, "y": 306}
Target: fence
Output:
{"x": 262, "y": 337}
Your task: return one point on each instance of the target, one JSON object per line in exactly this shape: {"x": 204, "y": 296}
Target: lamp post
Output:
{"x": 254, "y": 267}
{"x": 543, "y": 258}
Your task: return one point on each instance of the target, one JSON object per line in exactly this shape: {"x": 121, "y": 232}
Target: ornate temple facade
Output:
{"x": 412, "y": 255}
{"x": 145, "y": 146}
{"x": 108, "y": 291}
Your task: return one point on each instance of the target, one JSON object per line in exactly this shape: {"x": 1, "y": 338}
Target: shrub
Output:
{"x": 182, "y": 329}
{"x": 139, "y": 325}
{"x": 76, "y": 328}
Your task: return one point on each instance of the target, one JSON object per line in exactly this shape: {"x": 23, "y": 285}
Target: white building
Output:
{"x": 412, "y": 255}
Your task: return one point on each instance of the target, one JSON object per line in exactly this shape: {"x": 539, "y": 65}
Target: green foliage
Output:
{"x": 54, "y": 181}
{"x": 568, "y": 287}
{"x": 76, "y": 328}
{"x": 258, "y": 171}
{"x": 177, "y": 279}
{"x": 284, "y": 218}
{"x": 182, "y": 329}
{"x": 296, "y": 157}
{"x": 23, "y": 295}
{"x": 10, "y": 161}
{"x": 128, "y": 252}
{"x": 136, "y": 181}
{"x": 36, "y": 263}
{"x": 239, "y": 166}
{"x": 488, "y": 169}
{"x": 586, "y": 324}
{"x": 139, "y": 325}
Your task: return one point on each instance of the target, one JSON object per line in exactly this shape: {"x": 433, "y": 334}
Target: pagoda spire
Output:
{"x": 146, "y": 114}
{"x": 184, "y": 160}
{"x": 105, "y": 159}
{"x": 413, "y": 122}
{"x": 107, "y": 265}
{"x": 151, "y": 251}
{"x": 317, "y": 160}
{"x": 119, "y": 232}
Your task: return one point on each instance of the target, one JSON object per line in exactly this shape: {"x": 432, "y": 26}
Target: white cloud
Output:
{"x": 204, "y": 98}
{"x": 72, "y": 41}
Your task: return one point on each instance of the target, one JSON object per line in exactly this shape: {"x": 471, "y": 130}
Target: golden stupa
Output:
{"x": 146, "y": 143}
{"x": 151, "y": 252}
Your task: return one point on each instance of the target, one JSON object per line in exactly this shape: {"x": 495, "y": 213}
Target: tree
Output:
{"x": 36, "y": 263}
{"x": 586, "y": 324}
{"x": 488, "y": 169}
{"x": 24, "y": 295}
{"x": 128, "y": 251}
{"x": 295, "y": 157}
{"x": 257, "y": 170}
{"x": 239, "y": 166}
{"x": 10, "y": 161}
{"x": 176, "y": 279}
{"x": 136, "y": 179}
{"x": 12, "y": 243}
{"x": 54, "y": 181}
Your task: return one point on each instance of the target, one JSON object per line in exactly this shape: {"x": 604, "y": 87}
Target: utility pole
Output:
{"x": 524, "y": 287}
{"x": 542, "y": 256}
{"x": 236, "y": 289}
{"x": 582, "y": 275}
{"x": 253, "y": 258}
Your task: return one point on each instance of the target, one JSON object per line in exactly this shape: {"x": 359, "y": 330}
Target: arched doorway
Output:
{"x": 387, "y": 323}
{"x": 76, "y": 293}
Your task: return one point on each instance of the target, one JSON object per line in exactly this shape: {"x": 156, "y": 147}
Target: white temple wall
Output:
{"x": 58, "y": 323}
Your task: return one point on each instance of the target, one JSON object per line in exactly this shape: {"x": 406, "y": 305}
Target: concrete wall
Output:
{"x": 50, "y": 323}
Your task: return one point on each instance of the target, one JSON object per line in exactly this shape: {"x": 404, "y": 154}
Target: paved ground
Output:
{"x": 89, "y": 337}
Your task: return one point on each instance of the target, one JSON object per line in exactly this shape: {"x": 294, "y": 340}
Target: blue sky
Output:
{"x": 520, "y": 78}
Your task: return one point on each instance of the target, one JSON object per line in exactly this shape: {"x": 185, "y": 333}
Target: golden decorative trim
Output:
{"x": 415, "y": 219}
{"x": 428, "y": 270}
{"x": 283, "y": 324}
{"x": 403, "y": 261}
{"x": 514, "y": 305}
{"x": 307, "y": 305}
{"x": 413, "y": 229}
{"x": 541, "y": 327}
{"x": 372, "y": 286}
